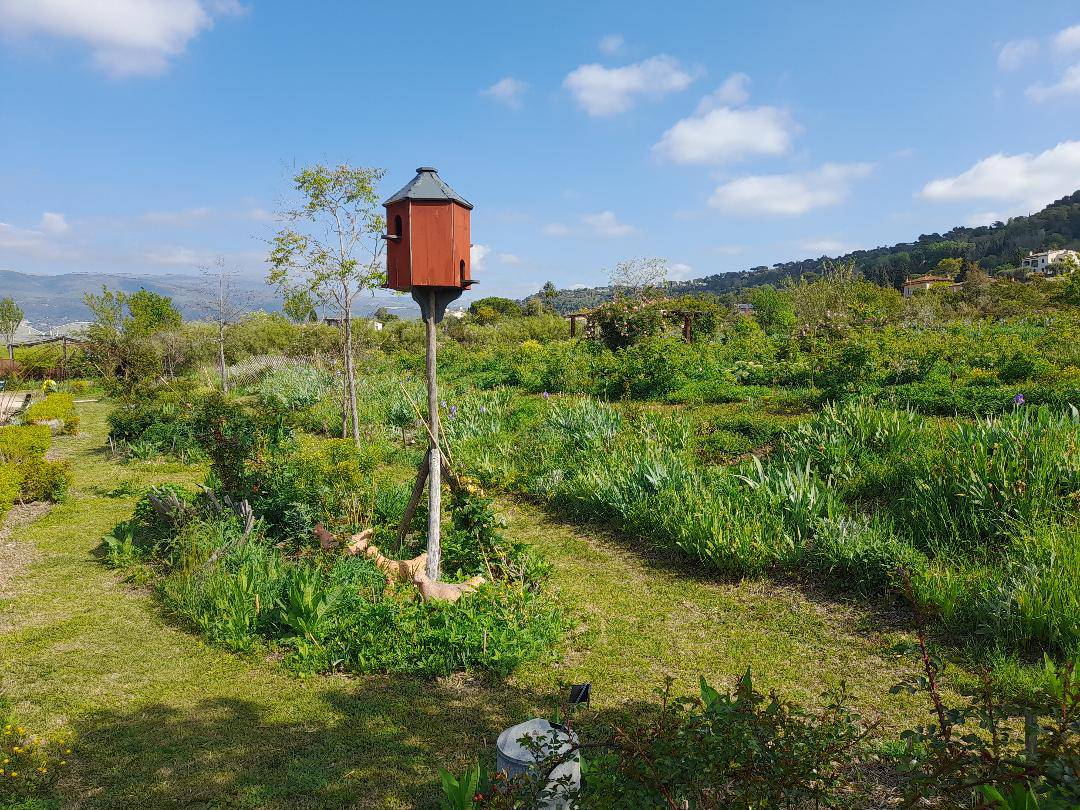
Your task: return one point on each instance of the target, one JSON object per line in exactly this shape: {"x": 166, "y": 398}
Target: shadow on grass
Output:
{"x": 375, "y": 743}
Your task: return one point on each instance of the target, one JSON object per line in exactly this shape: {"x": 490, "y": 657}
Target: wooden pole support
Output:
{"x": 414, "y": 501}
{"x": 434, "y": 547}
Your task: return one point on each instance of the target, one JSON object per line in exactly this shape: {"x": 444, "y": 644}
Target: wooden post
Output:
{"x": 414, "y": 500}
{"x": 686, "y": 320}
{"x": 573, "y": 326}
{"x": 434, "y": 548}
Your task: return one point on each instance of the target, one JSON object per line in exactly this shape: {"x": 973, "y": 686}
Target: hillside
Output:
{"x": 994, "y": 247}
{"x": 53, "y": 300}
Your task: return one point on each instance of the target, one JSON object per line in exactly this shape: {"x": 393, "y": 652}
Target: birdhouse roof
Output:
{"x": 427, "y": 185}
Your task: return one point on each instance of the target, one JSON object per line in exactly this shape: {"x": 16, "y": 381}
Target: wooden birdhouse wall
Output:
{"x": 397, "y": 250}
{"x": 462, "y": 244}
{"x": 433, "y": 250}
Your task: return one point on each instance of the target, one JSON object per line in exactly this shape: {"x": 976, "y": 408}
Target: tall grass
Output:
{"x": 983, "y": 516}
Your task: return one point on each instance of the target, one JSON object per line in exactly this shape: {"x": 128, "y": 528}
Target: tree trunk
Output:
{"x": 221, "y": 358}
{"x": 350, "y": 376}
{"x": 434, "y": 546}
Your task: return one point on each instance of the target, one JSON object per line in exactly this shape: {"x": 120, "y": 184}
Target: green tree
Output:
{"x": 150, "y": 313}
{"x": 773, "y": 309}
{"x": 300, "y": 307}
{"x": 1069, "y": 294}
{"x": 500, "y": 307}
{"x": 333, "y": 251}
{"x": 951, "y": 267}
{"x": 10, "y": 318}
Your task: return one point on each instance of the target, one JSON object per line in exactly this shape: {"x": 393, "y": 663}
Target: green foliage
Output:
{"x": 55, "y": 406}
{"x": 491, "y": 308}
{"x": 22, "y": 451}
{"x": 150, "y": 313}
{"x": 10, "y": 486}
{"x": 625, "y": 321}
{"x": 11, "y": 315}
{"x": 292, "y": 387}
{"x": 29, "y": 765}
{"x": 973, "y": 755}
{"x": 161, "y": 422}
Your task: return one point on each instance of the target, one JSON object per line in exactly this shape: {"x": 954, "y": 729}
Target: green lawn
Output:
{"x": 163, "y": 720}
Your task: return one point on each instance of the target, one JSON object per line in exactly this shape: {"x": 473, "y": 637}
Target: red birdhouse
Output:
{"x": 427, "y": 237}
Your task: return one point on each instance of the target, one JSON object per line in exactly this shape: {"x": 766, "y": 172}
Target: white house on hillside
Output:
{"x": 1038, "y": 262}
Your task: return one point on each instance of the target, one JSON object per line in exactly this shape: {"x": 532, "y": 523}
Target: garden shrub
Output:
{"x": 156, "y": 424}
{"x": 10, "y": 486}
{"x": 23, "y": 447}
{"x": 59, "y": 406}
{"x": 292, "y": 386}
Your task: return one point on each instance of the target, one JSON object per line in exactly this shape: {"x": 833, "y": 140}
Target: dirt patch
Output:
{"x": 15, "y": 555}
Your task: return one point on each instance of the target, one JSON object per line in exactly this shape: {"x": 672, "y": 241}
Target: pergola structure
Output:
{"x": 8, "y": 366}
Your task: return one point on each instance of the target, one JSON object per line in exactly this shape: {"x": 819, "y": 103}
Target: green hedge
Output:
{"x": 55, "y": 406}
{"x": 30, "y": 476}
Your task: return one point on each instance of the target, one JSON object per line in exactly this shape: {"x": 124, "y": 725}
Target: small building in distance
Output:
{"x": 913, "y": 285}
{"x": 1039, "y": 262}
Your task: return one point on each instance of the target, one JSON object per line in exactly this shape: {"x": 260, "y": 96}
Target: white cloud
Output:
{"x": 177, "y": 256}
{"x": 603, "y": 91}
{"x": 1017, "y": 52}
{"x": 1068, "y": 40}
{"x": 510, "y": 258}
{"x": 724, "y": 134}
{"x": 477, "y": 255}
{"x": 179, "y": 219}
{"x": 507, "y": 91}
{"x": 1069, "y": 85}
{"x": 607, "y": 224}
{"x": 125, "y": 37}
{"x": 555, "y": 229}
{"x": 789, "y": 194}
{"x": 983, "y": 218}
{"x": 1026, "y": 179}
{"x": 826, "y": 247}
{"x": 679, "y": 271}
{"x": 611, "y": 44}
{"x": 54, "y": 223}
{"x": 734, "y": 91}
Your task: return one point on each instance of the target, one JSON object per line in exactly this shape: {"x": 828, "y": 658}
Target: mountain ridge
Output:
{"x": 993, "y": 246}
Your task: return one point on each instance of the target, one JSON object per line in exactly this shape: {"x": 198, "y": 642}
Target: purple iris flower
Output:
{"x": 545, "y": 395}
{"x": 483, "y": 409}
{"x": 453, "y": 411}
{"x": 1018, "y": 399}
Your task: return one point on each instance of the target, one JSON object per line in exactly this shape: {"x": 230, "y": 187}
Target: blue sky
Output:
{"x": 150, "y": 136}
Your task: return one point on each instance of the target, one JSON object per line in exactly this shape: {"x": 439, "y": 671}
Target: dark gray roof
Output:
{"x": 427, "y": 185}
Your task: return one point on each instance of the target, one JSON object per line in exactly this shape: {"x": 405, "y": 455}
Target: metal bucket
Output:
{"x": 514, "y": 758}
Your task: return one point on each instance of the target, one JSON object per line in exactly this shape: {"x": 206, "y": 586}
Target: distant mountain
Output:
{"x": 53, "y": 300}
{"x": 992, "y": 246}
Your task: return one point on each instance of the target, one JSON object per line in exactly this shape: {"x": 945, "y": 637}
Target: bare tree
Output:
{"x": 223, "y": 304}
{"x": 334, "y": 251}
{"x": 639, "y": 277}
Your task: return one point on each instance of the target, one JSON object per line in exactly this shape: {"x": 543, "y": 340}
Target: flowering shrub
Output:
{"x": 624, "y": 321}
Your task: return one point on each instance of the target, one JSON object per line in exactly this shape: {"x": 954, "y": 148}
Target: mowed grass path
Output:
{"x": 164, "y": 720}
